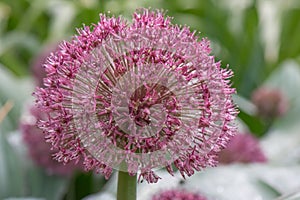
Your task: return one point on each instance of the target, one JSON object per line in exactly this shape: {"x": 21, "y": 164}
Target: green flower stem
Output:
{"x": 126, "y": 186}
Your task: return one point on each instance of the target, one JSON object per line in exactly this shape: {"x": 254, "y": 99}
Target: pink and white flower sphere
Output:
{"x": 137, "y": 97}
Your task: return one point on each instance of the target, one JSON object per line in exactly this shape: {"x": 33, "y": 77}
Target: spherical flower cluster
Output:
{"x": 40, "y": 151}
{"x": 136, "y": 97}
{"x": 243, "y": 148}
{"x": 270, "y": 103}
{"x": 177, "y": 195}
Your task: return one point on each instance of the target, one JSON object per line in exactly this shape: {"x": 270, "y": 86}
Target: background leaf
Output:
{"x": 11, "y": 170}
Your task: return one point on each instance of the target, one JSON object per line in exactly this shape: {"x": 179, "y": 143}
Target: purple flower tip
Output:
{"x": 136, "y": 97}
{"x": 270, "y": 103}
{"x": 177, "y": 195}
{"x": 242, "y": 148}
{"x": 40, "y": 151}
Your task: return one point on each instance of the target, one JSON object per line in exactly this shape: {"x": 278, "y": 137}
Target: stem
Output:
{"x": 126, "y": 186}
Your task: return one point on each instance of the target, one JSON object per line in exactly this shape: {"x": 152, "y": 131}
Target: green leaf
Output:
{"x": 248, "y": 115}
{"x": 16, "y": 50}
{"x": 42, "y": 185}
{"x": 83, "y": 184}
{"x": 255, "y": 125}
{"x": 268, "y": 187}
{"x": 250, "y": 54}
{"x": 290, "y": 37}
{"x": 245, "y": 105}
{"x": 35, "y": 182}
{"x": 11, "y": 170}
{"x": 290, "y": 196}
{"x": 24, "y": 198}
{"x": 18, "y": 91}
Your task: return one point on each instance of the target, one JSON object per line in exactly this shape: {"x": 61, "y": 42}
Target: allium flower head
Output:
{"x": 270, "y": 103}
{"x": 243, "y": 148}
{"x": 39, "y": 150}
{"x": 177, "y": 195}
{"x": 136, "y": 97}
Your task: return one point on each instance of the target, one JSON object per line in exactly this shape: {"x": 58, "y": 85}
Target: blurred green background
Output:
{"x": 258, "y": 39}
